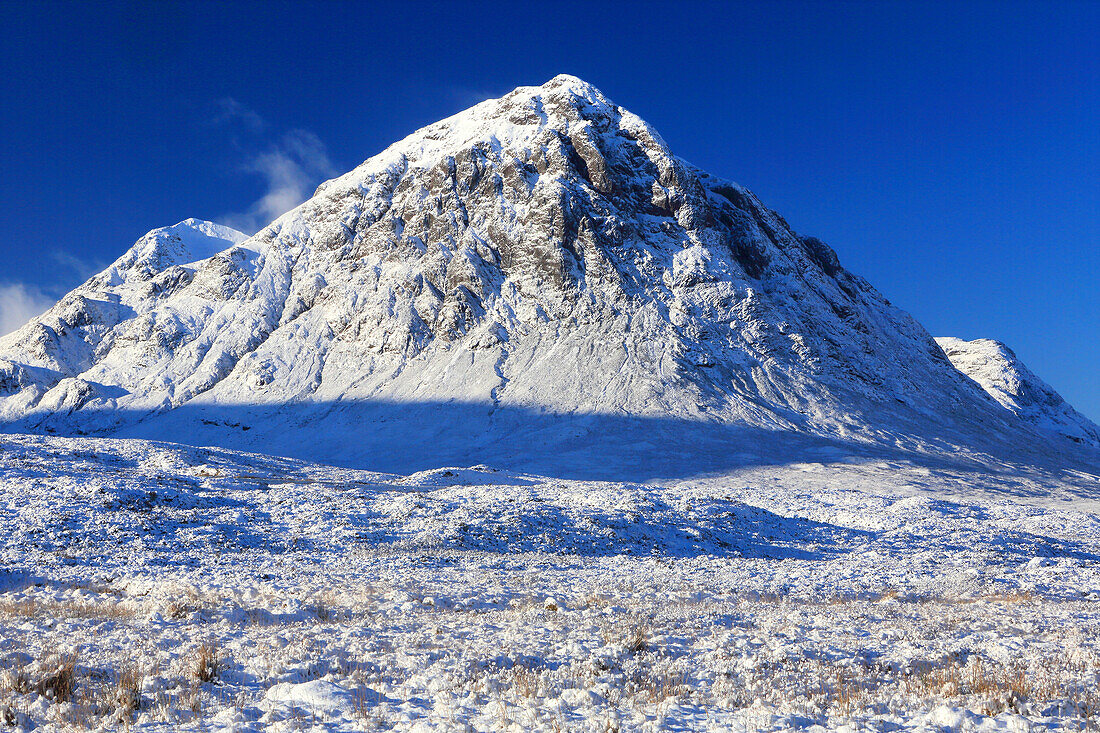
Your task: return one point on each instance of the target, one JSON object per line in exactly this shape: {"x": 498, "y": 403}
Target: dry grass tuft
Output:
{"x": 15, "y": 680}
{"x": 206, "y": 663}
{"x": 656, "y": 687}
{"x": 525, "y": 682}
{"x": 59, "y": 684}
{"x": 1007, "y": 687}
{"x": 128, "y": 685}
{"x": 631, "y": 637}
{"x": 77, "y": 609}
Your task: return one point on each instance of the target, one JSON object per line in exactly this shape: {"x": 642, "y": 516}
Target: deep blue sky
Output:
{"x": 949, "y": 152}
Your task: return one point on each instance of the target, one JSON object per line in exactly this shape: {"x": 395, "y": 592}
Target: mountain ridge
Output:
{"x": 998, "y": 370}
{"x": 541, "y": 251}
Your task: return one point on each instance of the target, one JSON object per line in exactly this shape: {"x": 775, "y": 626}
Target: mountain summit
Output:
{"x": 536, "y": 274}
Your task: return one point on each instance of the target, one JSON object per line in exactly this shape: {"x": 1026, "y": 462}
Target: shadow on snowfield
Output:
{"x": 408, "y": 437}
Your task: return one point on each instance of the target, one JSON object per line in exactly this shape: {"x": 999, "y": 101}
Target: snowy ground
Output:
{"x": 164, "y": 587}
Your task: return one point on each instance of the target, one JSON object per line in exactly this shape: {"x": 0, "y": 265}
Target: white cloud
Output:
{"x": 291, "y": 170}
{"x": 82, "y": 269}
{"x": 19, "y": 303}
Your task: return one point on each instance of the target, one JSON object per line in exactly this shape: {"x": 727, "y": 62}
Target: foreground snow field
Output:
{"x": 165, "y": 587}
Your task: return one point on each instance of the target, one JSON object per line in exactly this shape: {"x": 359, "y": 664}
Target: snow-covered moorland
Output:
{"x": 164, "y": 587}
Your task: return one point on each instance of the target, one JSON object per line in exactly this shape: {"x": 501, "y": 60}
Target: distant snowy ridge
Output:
{"x": 539, "y": 269}
{"x": 189, "y": 241}
{"x": 1000, "y": 373}
{"x": 49, "y": 369}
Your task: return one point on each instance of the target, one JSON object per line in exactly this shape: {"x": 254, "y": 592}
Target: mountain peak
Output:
{"x": 523, "y": 112}
{"x": 544, "y": 253}
{"x": 190, "y": 240}
{"x": 207, "y": 228}
{"x": 567, "y": 79}
{"x": 574, "y": 85}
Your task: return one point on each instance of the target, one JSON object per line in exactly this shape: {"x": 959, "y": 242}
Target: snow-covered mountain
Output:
{"x": 1000, "y": 373}
{"x": 536, "y": 274}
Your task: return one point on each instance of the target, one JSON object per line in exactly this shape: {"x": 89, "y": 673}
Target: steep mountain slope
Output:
{"x": 537, "y": 274}
{"x": 1000, "y": 373}
{"x": 51, "y": 365}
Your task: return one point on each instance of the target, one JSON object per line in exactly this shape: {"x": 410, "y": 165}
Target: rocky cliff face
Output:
{"x": 544, "y": 252}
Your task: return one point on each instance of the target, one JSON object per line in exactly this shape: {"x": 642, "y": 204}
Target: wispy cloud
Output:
{"x": 231, "y": 111}
{"x": 80, "y": 268}
{"x": 19, "y": 303}
{"x": 290, "y": 168}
